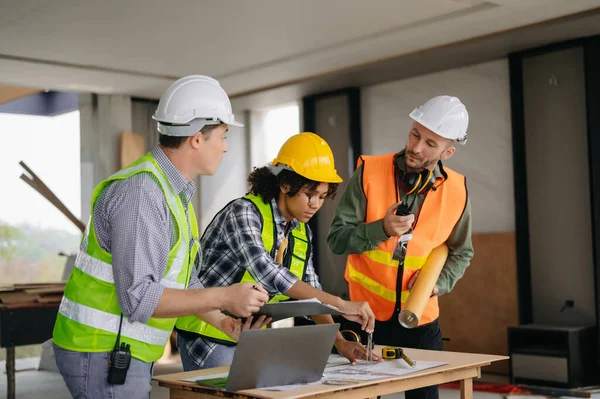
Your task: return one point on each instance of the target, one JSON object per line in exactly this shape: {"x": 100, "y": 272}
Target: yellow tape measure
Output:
{"x": 391, "y": 352}
{"x": 350, "y": 335}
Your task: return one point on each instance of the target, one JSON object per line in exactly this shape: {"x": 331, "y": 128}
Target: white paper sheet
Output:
{"x": 364, "y": 371}
{"x": 336, "y": 360}
{"x": 315, "y": 300}
{"x": 339, "y": 371}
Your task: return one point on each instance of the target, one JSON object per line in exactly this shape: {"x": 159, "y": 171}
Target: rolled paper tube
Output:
{"x": 421, "y": 291}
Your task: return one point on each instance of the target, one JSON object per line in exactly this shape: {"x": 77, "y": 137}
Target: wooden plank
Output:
{"x": 38, "y": 185}
{"x": 466, "y": 389}
{"x": 396, "y": 385}
{"x": 16, "y": 297}
{"x": 133, "y": 146}
{"x": 180, "y": 394}
{"x": 39, "y": 285}
{"x": 459, "y": 366}
{"x": 50, "y": 298}
{"x": 45, "y": 290}
{"x": 475, "y": 316}
{"x": 360, "y": 390}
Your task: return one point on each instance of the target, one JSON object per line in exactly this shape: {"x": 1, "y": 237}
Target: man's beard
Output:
{"x": 423, "y": 165}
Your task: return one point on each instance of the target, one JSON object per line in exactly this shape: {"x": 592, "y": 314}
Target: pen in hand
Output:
{"x": 229, "y": 314}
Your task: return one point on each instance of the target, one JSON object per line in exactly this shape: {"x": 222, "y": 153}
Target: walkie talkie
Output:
{"x": 403, "y": 210}
{"x": 400, "y": 251}
{"x": 120, "y": 359}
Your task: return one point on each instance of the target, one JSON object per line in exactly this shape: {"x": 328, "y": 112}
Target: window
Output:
{"x": 33, "y": 233}
{"x": 270, "y": 129}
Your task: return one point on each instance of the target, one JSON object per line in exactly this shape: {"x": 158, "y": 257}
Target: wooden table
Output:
{"x": 24, "y": 324}
{"x": 461, "y": 367}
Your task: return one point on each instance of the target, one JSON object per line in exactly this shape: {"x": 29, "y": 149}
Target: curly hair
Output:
{"x": 265, "y": 184}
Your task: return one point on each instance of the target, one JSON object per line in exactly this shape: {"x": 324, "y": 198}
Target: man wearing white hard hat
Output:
{"x": 132, "y": 274}
{"x": 396, "y": 210}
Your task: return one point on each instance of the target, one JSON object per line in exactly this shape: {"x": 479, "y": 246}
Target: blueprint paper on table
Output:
{"x": 365, "y": 371}
{"x": 339, "y": 371}
{"x": 336, "y": 360}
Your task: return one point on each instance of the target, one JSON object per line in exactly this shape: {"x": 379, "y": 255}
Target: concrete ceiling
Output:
{"x": 139, "y": 47}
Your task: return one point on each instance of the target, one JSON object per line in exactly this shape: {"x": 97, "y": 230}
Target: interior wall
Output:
{"x": 486, "y": 159}
{"x": 229, "y": 182}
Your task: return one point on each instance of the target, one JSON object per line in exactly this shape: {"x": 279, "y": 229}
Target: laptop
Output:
{"x": 277, "y": 356}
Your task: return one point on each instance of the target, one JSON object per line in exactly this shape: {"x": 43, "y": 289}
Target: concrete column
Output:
{"x": 102, "y": 119}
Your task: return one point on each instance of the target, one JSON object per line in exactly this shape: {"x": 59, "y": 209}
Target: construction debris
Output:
{"x": 31, "y": 293}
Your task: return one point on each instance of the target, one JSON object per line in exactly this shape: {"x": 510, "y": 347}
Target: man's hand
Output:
{"x": 353, "y": 351}
{"x": 243, "y": 299}
{"x": 234, "y": 328}
{"x": 359, "y": 312}
{"x": 394, "y": 225}
{"x": 412, "y": 280}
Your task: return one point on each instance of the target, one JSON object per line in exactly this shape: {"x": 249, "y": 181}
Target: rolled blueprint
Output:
{"x": 421, "y": 291}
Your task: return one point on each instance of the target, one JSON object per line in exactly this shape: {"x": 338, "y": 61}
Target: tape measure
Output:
{"x": 350, "y": 335}
{"x": 391, "y": 352}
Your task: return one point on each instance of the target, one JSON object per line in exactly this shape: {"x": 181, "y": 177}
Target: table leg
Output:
{"x": 10, "y": 372}
{"x": 466, "y": 389}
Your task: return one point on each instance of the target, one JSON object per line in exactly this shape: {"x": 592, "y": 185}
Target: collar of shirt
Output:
{"x": 280, "y": 220}
{"x": 176, "y": 179}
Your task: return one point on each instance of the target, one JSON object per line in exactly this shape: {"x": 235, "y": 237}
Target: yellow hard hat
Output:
{"x": 310, "y": 156}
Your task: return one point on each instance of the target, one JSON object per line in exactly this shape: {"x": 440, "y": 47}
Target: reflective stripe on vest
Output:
{"x": 299, "y": 252}
{"x": 103, "y": 271}
{"x": 89, "y": 314}
{"x": 372, "y": 276}
{"x": 110, "y": 322}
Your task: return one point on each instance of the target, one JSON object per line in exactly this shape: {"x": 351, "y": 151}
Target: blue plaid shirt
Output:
{"x": 233, "y": 244}
{"x": 131, "y": 220}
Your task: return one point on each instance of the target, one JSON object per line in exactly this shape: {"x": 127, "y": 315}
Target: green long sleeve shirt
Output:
{"x": 349, "y": 234}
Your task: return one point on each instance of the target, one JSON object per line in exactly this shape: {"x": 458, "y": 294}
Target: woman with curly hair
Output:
{"x": 263, "y": 237}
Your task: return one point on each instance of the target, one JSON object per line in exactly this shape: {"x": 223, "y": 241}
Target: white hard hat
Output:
{"x": 190, "y": 103}
{"x": 446, "y": 116}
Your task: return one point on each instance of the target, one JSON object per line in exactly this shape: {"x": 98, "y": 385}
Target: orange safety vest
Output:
{"x": 372, "y": 276}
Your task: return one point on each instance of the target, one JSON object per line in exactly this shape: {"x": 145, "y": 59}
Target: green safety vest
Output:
{"x": 89, "y": 314}
{"x": 298, "y": 246}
